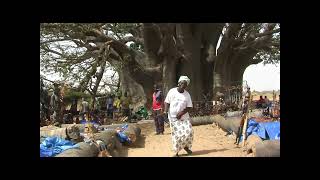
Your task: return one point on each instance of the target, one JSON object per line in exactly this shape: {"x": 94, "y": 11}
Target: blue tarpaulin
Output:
{"x": 92, "y": 122}
{"x": 52, "y": 146}
{"x": 265, "y": 130}
{"x": 122, "y": 136}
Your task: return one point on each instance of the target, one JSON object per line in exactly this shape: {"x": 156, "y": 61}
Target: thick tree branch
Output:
{"x": 90, "y": 85}
{"x": 245, "y": 29}
{"x": 263, "y": 40}
{"x": 48, "y": 80}
{"x": 256, "y": 61}
{"x": 54, "y": 40}
{"x": 79, "y": 43}
{"x": 267, "y": 33}
{"x": 232, "y": 30}
{"x": 132, "y": 38}
{"x": 89, "y": 90}
{"x": 119, "y": 50}
{"x": 114, "y": 85}
{"x": 99, "y": 76}
{"x": 136, "y": 31}
{"x": 86, "y": 79}
{"x": 152, "y": 41}
{"x": 118, "y": 46}
{"x": 52, "y": 51}
{"x": 156, "y": 69}
{"x": 275, "y": 44}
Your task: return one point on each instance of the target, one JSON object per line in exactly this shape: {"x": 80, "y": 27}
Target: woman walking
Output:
{"x": 179, "y": 103}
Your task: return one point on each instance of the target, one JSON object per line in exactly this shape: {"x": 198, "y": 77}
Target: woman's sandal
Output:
{"x": 188, "y": 150}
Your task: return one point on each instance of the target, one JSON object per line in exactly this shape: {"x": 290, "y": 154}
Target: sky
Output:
{"x": 263, "y": 77}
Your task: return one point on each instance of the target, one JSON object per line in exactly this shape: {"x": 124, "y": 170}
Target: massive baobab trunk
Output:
{"x": 190, "y": 49}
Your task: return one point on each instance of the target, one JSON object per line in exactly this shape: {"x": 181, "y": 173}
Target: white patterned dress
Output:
{"x": 181, "y": 130}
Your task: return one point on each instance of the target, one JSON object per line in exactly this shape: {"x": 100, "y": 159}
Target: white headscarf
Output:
{"x": 184, "y": 78}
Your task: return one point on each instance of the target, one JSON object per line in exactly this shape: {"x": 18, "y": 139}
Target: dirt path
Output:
{"x": 209, "y": 141}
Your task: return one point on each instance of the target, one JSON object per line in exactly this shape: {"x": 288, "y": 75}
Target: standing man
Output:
{"x": 109, "y": 106}
{"x": 85, "y": 109}
{"x": 157, "y": 107}
{"x": 179, "y": 103}
{"x": 55, "y": 103}
{"x": 73, "y": 108}
{"x": 116, "y": 107}
{"x": 125, "y": 103}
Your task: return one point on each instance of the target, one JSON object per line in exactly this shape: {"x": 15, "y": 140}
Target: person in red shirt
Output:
{"x": 157, "y": 107}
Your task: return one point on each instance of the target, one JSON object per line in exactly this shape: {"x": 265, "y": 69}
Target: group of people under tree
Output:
{"x": 113, "y": 105}
{"x": 53, "y": 108}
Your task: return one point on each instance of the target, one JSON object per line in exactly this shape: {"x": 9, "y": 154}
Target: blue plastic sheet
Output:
{"x": 265, "y": 130}
{"x": 272, "y": 129}
{"x": 122, "y": 136}
{"x": 94, "y": 122}
{"x": 52, "y": 146}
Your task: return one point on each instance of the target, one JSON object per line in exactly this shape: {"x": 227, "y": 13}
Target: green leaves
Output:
{"x": 137, "y": 46}
{"x": 71, "y": 94}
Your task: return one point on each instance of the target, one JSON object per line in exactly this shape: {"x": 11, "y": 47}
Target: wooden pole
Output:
{"x": 244, "y": 130}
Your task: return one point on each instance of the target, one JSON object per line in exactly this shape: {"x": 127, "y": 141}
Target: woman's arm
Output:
{"x": 180, "y": 114}
{"x": 166, "y": 107}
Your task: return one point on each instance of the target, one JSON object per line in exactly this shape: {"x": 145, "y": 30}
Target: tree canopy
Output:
{"x": 142, "y": 52}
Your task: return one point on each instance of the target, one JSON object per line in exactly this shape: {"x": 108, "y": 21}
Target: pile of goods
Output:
{"x": 87, "y": 140}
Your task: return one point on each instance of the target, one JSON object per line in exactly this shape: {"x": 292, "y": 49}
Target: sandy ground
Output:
{"x": 209, "y": 141}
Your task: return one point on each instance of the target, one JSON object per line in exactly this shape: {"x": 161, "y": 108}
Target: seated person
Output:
{"x": 260, "y": 102}
{"x": 266, "y": 102}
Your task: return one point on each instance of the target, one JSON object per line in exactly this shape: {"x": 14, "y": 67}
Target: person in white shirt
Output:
{"x": 178, "y": 100}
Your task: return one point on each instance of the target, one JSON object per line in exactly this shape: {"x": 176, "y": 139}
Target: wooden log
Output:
{"x": 230, "y": 124}
{"x": 109, "y": 138}
{"x": 244, "y": 130}
{"x": 233, "y": 114}
{"x": 48, "y": 128}
{"x": 80, "y": 126}
{"x": 253, "y": 113}
{"x": 267, "y": 148}
{"x": 201, "y": 120}
{"x": 113, "y": 126}
{"x": 84, "y": 150}
{"x": 245, "y": 125}
{"x": 250, "y": 145}
{"x": 133, "y": 132}
{"x": 227, "y": 124}
{"x": 70, "y": 132}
